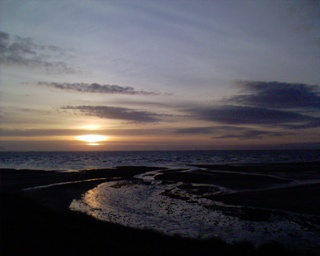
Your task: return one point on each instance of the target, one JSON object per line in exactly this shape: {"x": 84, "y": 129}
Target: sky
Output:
{"x": 80, "y": 75}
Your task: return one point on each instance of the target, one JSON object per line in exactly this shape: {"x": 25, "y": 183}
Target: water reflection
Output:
{"x": 147, "y": 205}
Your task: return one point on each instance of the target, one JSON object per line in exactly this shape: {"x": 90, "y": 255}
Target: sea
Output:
{"x": 74, "y": 161}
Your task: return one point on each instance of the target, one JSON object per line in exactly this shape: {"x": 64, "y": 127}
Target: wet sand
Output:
{"x": 300, "y": 199}
{"x": 39, "y": 222}
{"x": 286, "y": 187}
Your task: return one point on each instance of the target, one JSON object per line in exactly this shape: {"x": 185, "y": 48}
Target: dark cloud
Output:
{"x": 23, "y": 52}
{"x": 218, "y": 132}
{"x": 116, "y": 113}
{"x": 146, "y": 102}
{"x": 196, "y": 130}
{"x": 267, "y": 104}
{"x": 76, "y": 132}
{"x": 95, "y": 88}
{"x": 4, "y": 40}
{"x": 252, "y": 134}
{"x": 38, "y": 132}
{"x": 312, "y": 124}
{"x": 236, "y": 115}
{"x": 278, "y": 95}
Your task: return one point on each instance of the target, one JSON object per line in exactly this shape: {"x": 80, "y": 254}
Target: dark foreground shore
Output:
{"x": 39, "y": 222}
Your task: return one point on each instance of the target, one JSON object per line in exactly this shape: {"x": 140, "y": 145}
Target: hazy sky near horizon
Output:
{"x": 159, "y": 75}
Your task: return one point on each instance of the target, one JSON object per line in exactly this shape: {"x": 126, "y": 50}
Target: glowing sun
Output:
{"x": 92, "y": 139}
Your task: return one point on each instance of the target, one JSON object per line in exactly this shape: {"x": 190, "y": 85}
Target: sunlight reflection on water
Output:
{"x": 142, "y": 206}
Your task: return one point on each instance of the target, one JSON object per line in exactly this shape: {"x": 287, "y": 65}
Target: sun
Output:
{"x": 92, "y": 139}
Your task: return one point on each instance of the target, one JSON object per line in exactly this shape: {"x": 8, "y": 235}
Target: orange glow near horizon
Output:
{"x": 91, "y": 127}
{"x": 92, "y": 139}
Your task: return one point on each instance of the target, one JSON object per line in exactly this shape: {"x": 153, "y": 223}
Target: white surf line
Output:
{"x": 65, "y": 183}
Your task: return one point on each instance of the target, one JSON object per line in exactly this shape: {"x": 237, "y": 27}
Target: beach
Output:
{"x": 36, "y": 218}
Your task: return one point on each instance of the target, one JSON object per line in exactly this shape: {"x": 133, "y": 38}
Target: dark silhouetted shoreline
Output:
{"x": 38, "y": 222}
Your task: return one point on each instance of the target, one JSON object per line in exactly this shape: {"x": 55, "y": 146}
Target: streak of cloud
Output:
{"x": 116, "y": 113}
{"x": 39, "y": 132}
{"x": 278, "y": 95}
{"x": 266, "y": 104}
{"x": 73, "y": 132}
{"x": 245, "y": 115}
{"x": 196, "y": 130}
{"x": 23, "y": 52}
{"x": 252, "y": 134}
{"x": 95, "y": 88}
{"x": 219, "y": 132}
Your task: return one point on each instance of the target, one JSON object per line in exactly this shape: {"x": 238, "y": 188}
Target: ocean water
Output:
{"x": 72, "y": 161}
